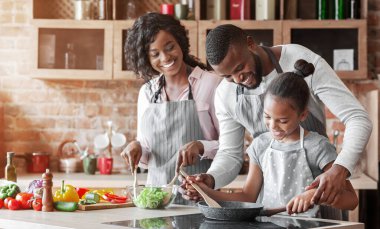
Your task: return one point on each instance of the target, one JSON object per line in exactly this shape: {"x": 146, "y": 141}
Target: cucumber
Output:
{"x": 66, "y": 206}
{"x": 92, "y": 196}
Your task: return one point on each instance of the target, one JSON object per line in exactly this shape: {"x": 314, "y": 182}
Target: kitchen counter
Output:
{"x": 119, "y": 181}
{"x": 94, "y": 219}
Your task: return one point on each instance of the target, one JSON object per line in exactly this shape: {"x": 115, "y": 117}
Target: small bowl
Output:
{"x": 150, "y": 197}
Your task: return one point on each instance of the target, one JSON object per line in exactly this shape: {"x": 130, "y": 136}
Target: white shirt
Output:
{"x": 326, "y": 89}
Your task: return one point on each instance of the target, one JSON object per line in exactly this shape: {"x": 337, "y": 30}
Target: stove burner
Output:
{"x": 194, "y": 221}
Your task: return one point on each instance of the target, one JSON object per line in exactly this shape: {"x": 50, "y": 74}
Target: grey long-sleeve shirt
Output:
{"x": 326, "y": 90}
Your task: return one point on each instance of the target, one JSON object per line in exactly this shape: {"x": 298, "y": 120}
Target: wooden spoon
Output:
{"x": 209, "y": 201}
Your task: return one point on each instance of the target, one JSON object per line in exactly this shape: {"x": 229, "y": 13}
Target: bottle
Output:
{"x": 339, "y": 9}
{"x": 321, "y": 10}
{"x": 47, "y": 195}
{"x": 10, "y": 169}
{"x": 70, "y": 57}
{"x": 105, "y": 11}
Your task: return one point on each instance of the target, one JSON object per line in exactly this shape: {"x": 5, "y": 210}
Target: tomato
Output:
{"x": 6, "y": 201}
{"x": 24, "y": 199}
{"x": 14, "y": 204}
{"x": 37, "y": 204}
{"x": 1, "y": 203}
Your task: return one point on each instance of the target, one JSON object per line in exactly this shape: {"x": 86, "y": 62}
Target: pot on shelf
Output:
{"x": 37, "y": 162}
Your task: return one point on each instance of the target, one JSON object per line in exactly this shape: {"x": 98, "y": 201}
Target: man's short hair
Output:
{"x": 219, "y": 40}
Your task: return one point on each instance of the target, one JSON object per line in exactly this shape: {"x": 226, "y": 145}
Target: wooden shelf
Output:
{"x": 323, "y": 36}
{"x": 267, "y": 32}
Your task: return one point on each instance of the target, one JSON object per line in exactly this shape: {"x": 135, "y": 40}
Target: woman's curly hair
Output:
{"x": 143, "y": 33}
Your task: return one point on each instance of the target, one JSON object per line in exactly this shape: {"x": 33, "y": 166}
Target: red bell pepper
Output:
{"x": 81, "y": 191}
{"x": 114, "y": 198}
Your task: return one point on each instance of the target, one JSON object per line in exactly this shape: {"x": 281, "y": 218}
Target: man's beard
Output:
{"x": 257, "y": 74}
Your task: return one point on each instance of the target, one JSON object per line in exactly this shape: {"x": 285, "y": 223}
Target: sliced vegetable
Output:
{"x": 66, "y": 206}
{"x": 92, "y": 196}
{"x": 87, "y": 202}
{"x": 114, "y": 198}
{"x": 81, "y": 191}
{"x": 66, "y": 193}
{"x": 150, "y": 197}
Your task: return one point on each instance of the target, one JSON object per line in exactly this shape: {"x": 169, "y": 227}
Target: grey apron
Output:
{"x": 168, "y": 126}
{"x": 286, "y": 174}
{"x": 249, "y": 108}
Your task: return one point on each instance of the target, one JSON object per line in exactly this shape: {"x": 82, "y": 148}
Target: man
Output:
{"x": 248, "y": 69}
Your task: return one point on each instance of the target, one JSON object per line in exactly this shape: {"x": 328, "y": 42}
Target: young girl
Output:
{"x": 286, "y": 159}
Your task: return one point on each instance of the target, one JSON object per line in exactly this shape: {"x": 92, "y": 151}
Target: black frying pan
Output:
{"x": 234, "y": 210}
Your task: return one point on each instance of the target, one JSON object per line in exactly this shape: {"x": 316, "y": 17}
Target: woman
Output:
{"x": 176, "y": 116}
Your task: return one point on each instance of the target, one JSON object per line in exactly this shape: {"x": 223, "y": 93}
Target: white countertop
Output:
{"x": 92, "y": 219}
{"x": 119, "y": 181}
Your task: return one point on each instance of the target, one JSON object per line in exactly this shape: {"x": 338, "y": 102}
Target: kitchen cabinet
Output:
{"x": 70, "y": 49}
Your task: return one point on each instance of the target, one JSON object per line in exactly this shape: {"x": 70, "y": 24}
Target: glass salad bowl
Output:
{"x": 151, "y": 197}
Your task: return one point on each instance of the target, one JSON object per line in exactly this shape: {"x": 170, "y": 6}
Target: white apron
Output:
{"x": 286, "y": 174}
{"x": 168, "y": 126}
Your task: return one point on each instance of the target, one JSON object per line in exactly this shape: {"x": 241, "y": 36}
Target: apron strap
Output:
{"x": 162, "y": 84}
{"x": 272, "y": 57}
{"x": 302, "y": 132}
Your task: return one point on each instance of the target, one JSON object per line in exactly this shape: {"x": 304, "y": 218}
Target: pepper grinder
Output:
{"x": 47, "y": 196}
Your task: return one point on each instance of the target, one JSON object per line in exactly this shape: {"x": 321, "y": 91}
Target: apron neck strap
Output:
{"x": 302, "y": 133}
{"x": 272, "y": 57}
{"x": 162, "y": 83}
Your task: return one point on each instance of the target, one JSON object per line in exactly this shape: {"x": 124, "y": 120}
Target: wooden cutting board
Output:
{"x": 104, "y": 205}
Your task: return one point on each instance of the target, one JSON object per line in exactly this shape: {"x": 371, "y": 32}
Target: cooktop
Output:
{"x": 199, "y": 221}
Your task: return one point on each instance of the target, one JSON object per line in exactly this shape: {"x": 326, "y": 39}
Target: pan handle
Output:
{"x": 272, "y": 211}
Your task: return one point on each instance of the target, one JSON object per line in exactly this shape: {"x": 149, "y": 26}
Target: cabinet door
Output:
{"x": 120, "y": 34}
{"x": 68, "y": 49}
{"x": 267, "y": 33}
{"x": 343, "y": 44}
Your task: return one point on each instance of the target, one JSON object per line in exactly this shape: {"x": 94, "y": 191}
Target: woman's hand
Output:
{"x": 300, "y": 203}
{"x": 189, "y": 153}
{"x": 132, "y": 154}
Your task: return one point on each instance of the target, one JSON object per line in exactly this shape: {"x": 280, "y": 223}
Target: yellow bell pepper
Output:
{"x": 66, "y": 193}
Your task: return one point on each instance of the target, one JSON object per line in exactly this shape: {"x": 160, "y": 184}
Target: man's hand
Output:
{"x": 300, "y": 203}
{"x": 329, "y": 185}
{"x": 187, "y": 190}
{"x": 132, "y": 154}
{"x": 189, "y": 153}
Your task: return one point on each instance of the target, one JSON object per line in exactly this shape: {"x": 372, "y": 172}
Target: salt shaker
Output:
{"x": 47, "y": 196}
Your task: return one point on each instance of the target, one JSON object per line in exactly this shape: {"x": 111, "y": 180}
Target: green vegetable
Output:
{"x": 153, "y": 223}
{"x": 150, "y": 198}
{"x": 10, "y": 190}
{"x": 92, "y": 196}
{"x": 66, "y": 206}
{"x": 87, "y": 202}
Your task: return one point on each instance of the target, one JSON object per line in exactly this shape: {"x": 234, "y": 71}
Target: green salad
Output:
{"x": 150, "y": 197}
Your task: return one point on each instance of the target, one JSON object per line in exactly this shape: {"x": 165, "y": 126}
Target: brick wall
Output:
{"x": 39, "y": 114}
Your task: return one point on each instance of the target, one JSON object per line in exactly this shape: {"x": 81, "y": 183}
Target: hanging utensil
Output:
{"x": 211, "y": 202}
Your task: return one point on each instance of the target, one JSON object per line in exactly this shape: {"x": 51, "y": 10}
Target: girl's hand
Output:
{"x": 300, "y": 203}
{"x": 132, "y": 154}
